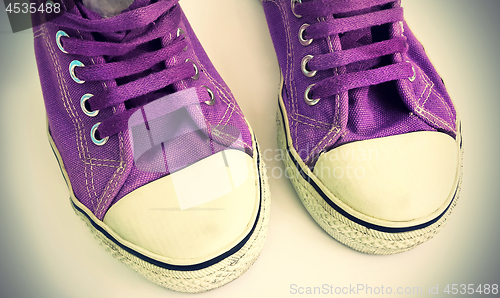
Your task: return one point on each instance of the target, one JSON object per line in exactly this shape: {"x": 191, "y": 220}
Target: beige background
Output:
{"x": 47, "y": 251}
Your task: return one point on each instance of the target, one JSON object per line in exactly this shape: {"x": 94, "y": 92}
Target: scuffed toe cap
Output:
{"x": 402, "y": 178}
{"x": 221, "y": 197}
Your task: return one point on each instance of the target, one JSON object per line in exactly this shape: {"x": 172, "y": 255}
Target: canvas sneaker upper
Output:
{"x": 115, "y": 91}
{"x": 367, "y": 120}
{"x": 353, "y": 71}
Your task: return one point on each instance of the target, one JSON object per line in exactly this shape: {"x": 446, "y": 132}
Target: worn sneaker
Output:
{"x": 159, "y": 159}
{"x": 372, "y": 139}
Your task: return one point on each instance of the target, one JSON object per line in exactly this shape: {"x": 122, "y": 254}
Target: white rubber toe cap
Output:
{"x": 400, "y": 178}
{"x": 221, "y": 194}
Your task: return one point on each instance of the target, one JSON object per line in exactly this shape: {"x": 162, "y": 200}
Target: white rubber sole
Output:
{"x": 349, "y": 231}
{"x": 188, "y": 281}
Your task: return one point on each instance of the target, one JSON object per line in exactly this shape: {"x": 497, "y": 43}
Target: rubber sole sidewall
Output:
{"x": 346, "y": 231}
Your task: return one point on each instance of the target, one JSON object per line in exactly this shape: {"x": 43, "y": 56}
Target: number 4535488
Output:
{"x": 485, "y": 289}
{"x": 48, "y": 7}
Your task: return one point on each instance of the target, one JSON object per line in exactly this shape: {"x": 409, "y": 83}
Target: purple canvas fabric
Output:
{"x": 373, "y": 78}
{"x": 130, "y": 60}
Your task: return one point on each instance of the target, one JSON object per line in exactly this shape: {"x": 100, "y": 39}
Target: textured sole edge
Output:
{"x": 195, "y": 281}
{"x": 347, "y": 232}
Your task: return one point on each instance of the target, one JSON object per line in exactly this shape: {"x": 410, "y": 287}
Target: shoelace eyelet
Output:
{"x": 412, "y": 78}
{"x": 72, "y": 66}
{"x": 307, "y": 99}
{"x": 60, "y": 34}
{"x": 303, "y": 41}
{"x": 94, "y": 139}
{"x": 179, "y": 33}
{"x": 210, "y": 102}
{"x": 305, "y": 71}
{"x": 293, "y": 8}
{"x": 197, "y": 74}
{"x": 83, "y": 100}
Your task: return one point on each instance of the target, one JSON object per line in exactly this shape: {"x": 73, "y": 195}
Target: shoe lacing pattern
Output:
{"x": 138, "y": 70}
{"x": 363, "y": 60}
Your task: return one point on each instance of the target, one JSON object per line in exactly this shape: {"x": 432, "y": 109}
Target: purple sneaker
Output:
{"x": 372, "y": 139}
{"x": 159, "y": 159}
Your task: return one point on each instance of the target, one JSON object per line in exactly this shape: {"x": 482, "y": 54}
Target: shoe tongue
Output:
{"x": 101, "y": 9}
{"x": 111, "y": 8}
{"x": 107, "y": 8}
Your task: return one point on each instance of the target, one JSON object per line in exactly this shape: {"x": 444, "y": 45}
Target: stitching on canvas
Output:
{"x": 231, "y": 138}
{"x": 440, "y": 122}
{"x": 444, "y": 103}
{"x": 421, "y": 112}
{"x": 226, "y": 100}
{"x": 102, "y": 165}
{"x": 230, "y": 114}
{"x": 312, "y": 125}
{"x": 103, "y": 159}
{"x": 423, "y": 92}
{"x": 314, "y": 120}
{"x": 86, "y": 147}
{"x": 38, "y": 33}
{"x": 324, "y": 127}
{"x": 336, "y": 123}
{"x": 429, "y": 86}
{"x": 289, "y": 72}
{"x": 337, "y": 97}
{"x": 68, "y": 107}
{"x": 334, "y": 130}
{"x": 79, "y": 129}
{"x": 83, "y": 141}
{"x": 103, "y": 201}
{"x": 222, "y": 91}
{"x": 107, "y": 194}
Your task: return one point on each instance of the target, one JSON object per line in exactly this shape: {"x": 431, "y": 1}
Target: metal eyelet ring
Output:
{"x": 94, "y": 139}
{"x": 179, "y": 33}
{"x": 60, "y": 34}
{"x": 197, "y": 74}
{"x": 293, "y": 8}
{"x": 83, "y": 100}
{"x": 307, "y": 99}
{"x": 210, "y": 102}
{"x": 72, "y": 66}
{"x": 412, "y": 78}
{"x": 303, "y": 66}
{"x": 303, "y": 41}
